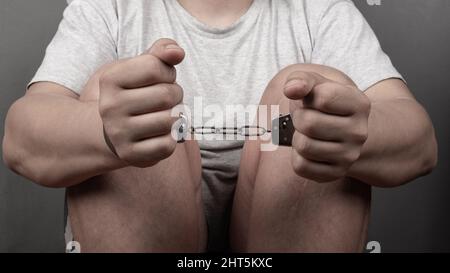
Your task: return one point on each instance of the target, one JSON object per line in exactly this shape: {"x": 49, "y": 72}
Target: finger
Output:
{"x": 319, "y": 172}
{"x": 334, "y": 98}
{"x": 321, "y": 126}
{"x": 324, "y": 151}
{"x": 141, "y": 71}
{"x": 151, "y": 125}
{"x": 154, "y": 149}
{"x": 300, "y": 83}
{"x": 152, "y": 98}
{"x": 317, "y": 150}
{"x": 168, "y": 51}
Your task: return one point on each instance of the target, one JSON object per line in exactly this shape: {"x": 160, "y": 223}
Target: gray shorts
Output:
{"x": 219, "y": 177}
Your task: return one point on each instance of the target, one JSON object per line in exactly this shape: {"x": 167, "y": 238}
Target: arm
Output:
{"x": 55, "y": 138}
{"x": 382, "y": 137}
{"x": 401, "y": 144}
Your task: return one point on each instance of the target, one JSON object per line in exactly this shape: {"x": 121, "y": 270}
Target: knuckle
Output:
{"x": 297, "y": 75}
{"x": 103, "y": 109}
{"x": 307, "y": 123}
{"x": 340, "y": 172}
{"x": 107, "y": 78}
{"x": 127, "y": 152}
{"x": 360, "y": 135}
{"x": 167, "y": 124}
{"x": 302, "y": 144}
{"x": 144, "y": 59}
{"x": 167, "y": 147}
{"x": 326, "y": 94}
{"x": 153, "y": 67}
{"x": 299, "y": 164}
{"x": 322, "y": 102}
{"x": 150, "y": 65}
{"x": 157, "y": 71}
{"x": 178, "y": 93}
{"x": 117, "y": 135}
{"x": 106, "y": 106}
{"x": 167, "y": 98}
{"x": 365, "y": 104}
{"x": 350, "y": 157}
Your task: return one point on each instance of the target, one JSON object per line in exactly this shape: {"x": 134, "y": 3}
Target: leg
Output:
{"x": 156, "y": 209}
{"x": 276, "y": 210}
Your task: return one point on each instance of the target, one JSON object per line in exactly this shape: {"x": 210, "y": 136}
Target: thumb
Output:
{"x": 167, "y": 50}
{"x": 300, "y": 84}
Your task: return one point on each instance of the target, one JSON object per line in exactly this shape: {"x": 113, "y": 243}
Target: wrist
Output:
{"x": 109, "y": 159}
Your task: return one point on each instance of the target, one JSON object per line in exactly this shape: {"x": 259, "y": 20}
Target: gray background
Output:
{"x": 412, "y": 218}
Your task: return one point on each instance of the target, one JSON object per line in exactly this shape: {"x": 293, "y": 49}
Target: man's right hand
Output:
{"x": 137, "y": 96}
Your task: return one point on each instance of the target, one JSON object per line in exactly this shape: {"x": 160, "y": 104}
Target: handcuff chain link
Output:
{"x": 246, "y": 131}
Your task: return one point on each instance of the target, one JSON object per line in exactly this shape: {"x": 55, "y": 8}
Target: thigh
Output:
{"x": 283, "y": 212}
{"x": 276, "y": 210}
{"x": 156, "y": 209}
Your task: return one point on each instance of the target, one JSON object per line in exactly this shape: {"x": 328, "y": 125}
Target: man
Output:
{"x": 97, "y": 119}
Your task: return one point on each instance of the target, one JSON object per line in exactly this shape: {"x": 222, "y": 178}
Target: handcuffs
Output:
{"x": 282, "y": 130}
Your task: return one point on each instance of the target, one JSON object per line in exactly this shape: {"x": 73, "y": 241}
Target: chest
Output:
{"x": 225, "y": 68}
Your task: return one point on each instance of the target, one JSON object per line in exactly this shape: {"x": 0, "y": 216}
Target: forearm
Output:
{"x": 401, "y": 145}
{"x": 56, "y": 141}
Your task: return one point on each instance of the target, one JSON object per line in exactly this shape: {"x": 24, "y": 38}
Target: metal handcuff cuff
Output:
{"x": 282, "y": 130}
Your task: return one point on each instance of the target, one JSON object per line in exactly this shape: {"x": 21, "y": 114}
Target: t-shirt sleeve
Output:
{"x": 346, "y": 42}
{"x": 84, "y": 42}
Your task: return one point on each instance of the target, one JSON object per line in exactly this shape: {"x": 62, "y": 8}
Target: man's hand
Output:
{"x": 136, "y": 99}
{"x": 331, "y": 122}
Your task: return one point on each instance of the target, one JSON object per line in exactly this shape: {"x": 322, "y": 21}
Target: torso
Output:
{"x": 229, "y": 66}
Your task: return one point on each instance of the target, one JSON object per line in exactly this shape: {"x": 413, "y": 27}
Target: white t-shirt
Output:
{"x": 223, "y": 66}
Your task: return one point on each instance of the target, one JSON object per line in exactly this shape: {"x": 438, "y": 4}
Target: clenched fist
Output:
{"x": 331, "y": 123}
{"x": 136, "y": 99}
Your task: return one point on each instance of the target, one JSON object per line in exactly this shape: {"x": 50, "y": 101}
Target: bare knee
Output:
{"x": 163, "y": 201}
